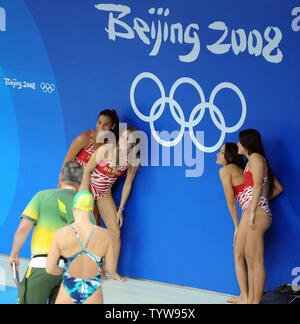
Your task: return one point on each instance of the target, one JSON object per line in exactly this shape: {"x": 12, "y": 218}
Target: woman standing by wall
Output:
{"x": 260, "y": 185}
{"x": 105, "y": 166}
{"x": 85, "y": 145}
{"x": 232, "y": 178}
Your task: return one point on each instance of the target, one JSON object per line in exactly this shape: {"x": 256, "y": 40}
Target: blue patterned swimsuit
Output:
{"x": 80, "y": 290}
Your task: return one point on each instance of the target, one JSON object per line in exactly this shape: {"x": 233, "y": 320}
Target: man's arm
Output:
{"x": 21, "y": 235}
{"x": 30, "y": 217}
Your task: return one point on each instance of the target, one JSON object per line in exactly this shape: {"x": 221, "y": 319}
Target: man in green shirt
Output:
{"x": 48, "y": 211}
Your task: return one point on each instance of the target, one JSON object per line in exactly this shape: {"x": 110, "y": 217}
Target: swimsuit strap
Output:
{"x": 91, "y": 138}
{"x": 80, "y": 239}
{"x": 88, "y": 241}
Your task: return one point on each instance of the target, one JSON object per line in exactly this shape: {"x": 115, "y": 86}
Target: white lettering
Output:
{"x": 123, "y": 10}
{"x": 296, "y": 281}
{"x": 218, "y": 47}
{"x": 159, "y": 32}
{"x": 255, "y": 49}
{"x": 272, "y": 46}
{"x": 158, "y": 41}
{"x": 171, "y": 313}
{"x": 296, "y": 21}
{"x": 188, "y": 39}
{"x": 177, "y": 27}
{"x": 2, "y": 19}
{"x": 133, "y": 315}
{"x": 242, "y": 46}
{"x": 141, "y": 27}
{"x": 14, "y": 83}
{"x": 112, "y": 22}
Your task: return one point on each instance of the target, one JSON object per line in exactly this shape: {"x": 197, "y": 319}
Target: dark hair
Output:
{"x": 132, "y": 129}
{"x": 112, "y": 114}
{"x": 232, "y": 157}
{"x": 129, "y": 129}
{"x": 252, "y": 142}
{"x": 72, "y": 172}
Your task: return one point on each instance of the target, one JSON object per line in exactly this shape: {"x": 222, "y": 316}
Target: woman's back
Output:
{"x": 236, "y": 173}
{"x": 83, "y": 266}
{"x": 258, "y": 162}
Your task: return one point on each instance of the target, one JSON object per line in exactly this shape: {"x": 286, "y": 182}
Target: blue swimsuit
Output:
{"x": 80, "y": 290}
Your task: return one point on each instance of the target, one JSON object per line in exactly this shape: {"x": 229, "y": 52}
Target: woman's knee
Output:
{"x": 239, "y": 255}
{"x": 254, "y": 261}
{"x": 114, "y": 232}
{"x": 249, "y": 257}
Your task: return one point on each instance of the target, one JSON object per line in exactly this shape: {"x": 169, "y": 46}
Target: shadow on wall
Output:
{"x": 282, "y": 241}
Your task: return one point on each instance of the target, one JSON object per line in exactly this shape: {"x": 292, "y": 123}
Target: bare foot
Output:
{"x": 234, "y": 300}
{"x": 243, "y": 302}
{"x": 116, "y": 276}
{"x": 103, "y": 275}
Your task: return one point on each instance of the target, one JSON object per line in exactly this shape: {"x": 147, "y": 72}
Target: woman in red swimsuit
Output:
{"x": 260, "y": 186}
{"x": 231, "y": 175}
{"x": 105, "y": 166}
{"x": 88, "y": 142}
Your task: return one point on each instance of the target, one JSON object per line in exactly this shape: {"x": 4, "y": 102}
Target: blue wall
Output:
{"x": 59, "y": 66}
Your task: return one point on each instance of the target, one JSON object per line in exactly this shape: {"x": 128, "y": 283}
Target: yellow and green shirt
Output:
{"x": 49, "y": 210}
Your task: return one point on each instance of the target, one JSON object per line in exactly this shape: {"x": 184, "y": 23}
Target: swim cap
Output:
{"x": 84, "y": 201}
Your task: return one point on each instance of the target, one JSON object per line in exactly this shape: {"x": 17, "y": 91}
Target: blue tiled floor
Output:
{"x": 9, "y": 295}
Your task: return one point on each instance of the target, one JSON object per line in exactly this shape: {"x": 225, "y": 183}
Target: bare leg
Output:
{"x": 240, "y": 262}
{"x": 108, "y": 212}
{"x": 63, "y": 297}
{"x": 97, "y": 215}
{"x": 255, "y": 256}
{"x": 97, "y": 219}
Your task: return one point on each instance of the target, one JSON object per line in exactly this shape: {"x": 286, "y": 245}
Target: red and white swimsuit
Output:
{"x": 104, "y": 176}
{"x": 244, "y": 193}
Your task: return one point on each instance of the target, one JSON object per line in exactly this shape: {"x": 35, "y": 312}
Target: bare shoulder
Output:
{"x": 256, "y": 156}
{"x": 225, "y": 171}
{"x": 84, "y": 138}
{"x": 256, "y": 159}
{"x": 61, "y": 233}
{"x": 102, "y": 233}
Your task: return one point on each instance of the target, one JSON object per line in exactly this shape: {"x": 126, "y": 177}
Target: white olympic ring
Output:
{"x": 46, "y": 87}
{"x": 174, "y": 106}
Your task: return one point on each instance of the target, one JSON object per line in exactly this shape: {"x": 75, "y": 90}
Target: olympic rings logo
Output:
{"x": 178, "y": 114}
{"x": 46, "y": 87}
